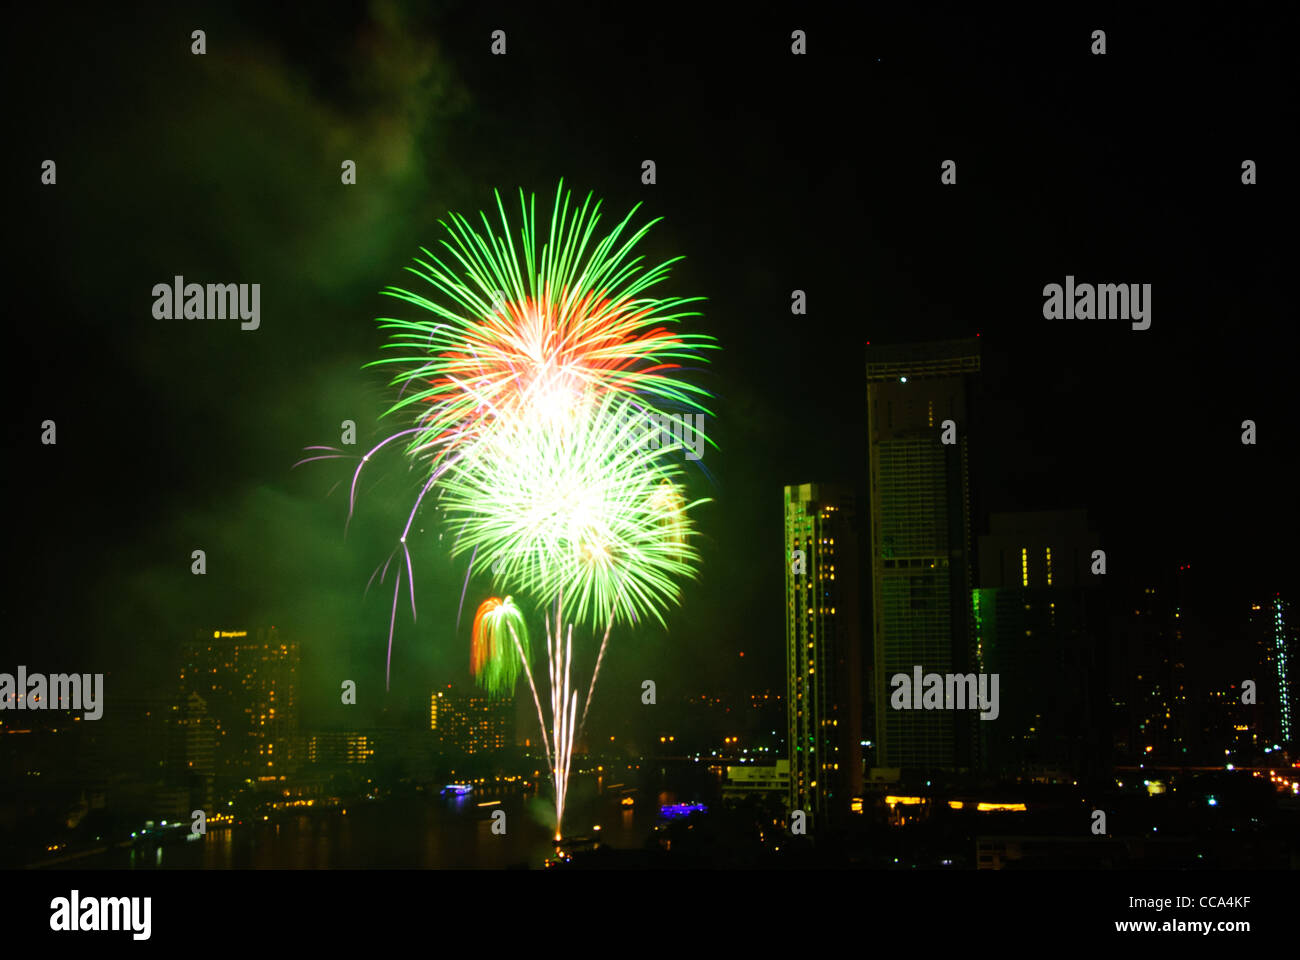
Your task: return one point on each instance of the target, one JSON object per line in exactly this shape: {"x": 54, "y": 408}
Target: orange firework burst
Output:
{"x": 569, "y": 323}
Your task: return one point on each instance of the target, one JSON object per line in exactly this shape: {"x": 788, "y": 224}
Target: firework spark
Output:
{"x": 524, "y": 385}
{"x": 575, "y": 509}
{"x": 534, "y": 328}
{"x": 527, "y": 329}
{"x": 499, "y": 645}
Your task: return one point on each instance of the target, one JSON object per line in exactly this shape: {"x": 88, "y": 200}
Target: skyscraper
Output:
{"x": 1034, "y": 626}
{"x": 1167, "y": 672}
{"x": 471, "y": 722}
{"x": 918, "y": 487}
{"x": 823, "y": 650}
{"x": 198, "y": 733}
{"x": 1283, "y": 633}
{"x": 250, "y": 688}
{"x": 1272, "y": 635}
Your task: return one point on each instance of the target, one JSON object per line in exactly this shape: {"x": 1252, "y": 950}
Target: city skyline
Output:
{"x": 1077, "y": 413}
{"x": 979, "y": 304}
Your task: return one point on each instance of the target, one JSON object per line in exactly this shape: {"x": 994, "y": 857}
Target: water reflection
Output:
{"x": 422, "y": 831}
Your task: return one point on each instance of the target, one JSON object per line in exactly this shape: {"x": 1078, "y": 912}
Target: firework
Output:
{"x": 525, "y": 382}
{"x": 534, "y": 328}
{"x": 572, "y": 511}
{"x": 498, "y": 645}
{"x": 522, "y": 330}
{"x": 575, "y": 510}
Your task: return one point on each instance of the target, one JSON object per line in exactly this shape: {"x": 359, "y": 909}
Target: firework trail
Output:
{"x": 582, "y": 517}
{"x": 522, "y": 384}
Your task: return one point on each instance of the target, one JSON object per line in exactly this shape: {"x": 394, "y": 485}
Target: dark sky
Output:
{"x": 774, "y": 173}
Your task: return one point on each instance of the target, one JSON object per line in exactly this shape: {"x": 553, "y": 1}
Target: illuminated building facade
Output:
{"x": 335, "y": 748}
{"x": 824, "y": 685}
{"x": 249, "y": 683}
{"x": 1275, "y": 653}
{"x": 747, "y": 780}
{"x": 471, "y": 723}
{"x": 920, "y": 543}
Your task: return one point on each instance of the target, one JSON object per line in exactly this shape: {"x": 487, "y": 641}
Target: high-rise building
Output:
{"x": 1035, "y": 627}
{"x": 824, "y": 670}
{"x": 198, "y": 734}
{"x": 918, "y": 487}
{"x": 1275, "y": 650}
{"x": 249, "y": 684}
{"x": 1166, "y": 670}
{"x": 331, "y": 748}
{"x": 471, "y": 722}
{"x": 1148, "y": 678}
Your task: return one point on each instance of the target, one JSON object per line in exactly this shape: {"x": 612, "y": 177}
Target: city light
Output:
{"x": 672, "y": 811}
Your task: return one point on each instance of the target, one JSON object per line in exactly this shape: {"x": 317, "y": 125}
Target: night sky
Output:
{"x": 775, "y": 173}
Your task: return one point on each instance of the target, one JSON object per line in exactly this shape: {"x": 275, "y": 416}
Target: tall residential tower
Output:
{"x": 1034, "y": 624}
{"x": 1272, "y": 633}
{"x": 918, "y": 487}
{"x": 823, "y": 651}
{"x": 248, "y": 687}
